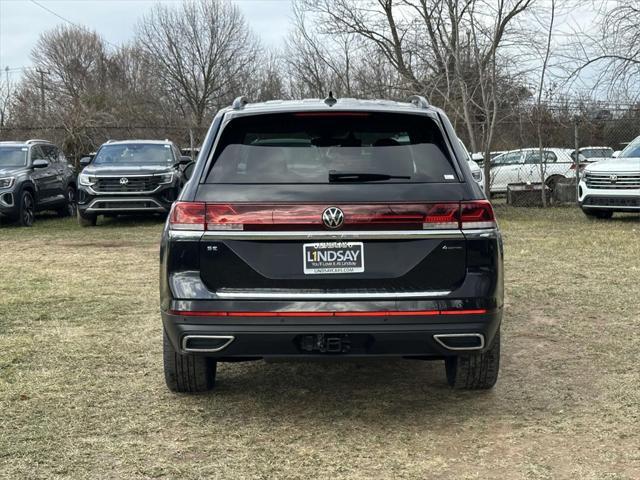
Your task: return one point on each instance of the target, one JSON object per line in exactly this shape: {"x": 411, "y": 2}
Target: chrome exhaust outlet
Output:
{"x": 206, "y": 343}
{"x": 460, "y": 341}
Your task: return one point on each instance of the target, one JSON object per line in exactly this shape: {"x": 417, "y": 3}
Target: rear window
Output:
{"x": 318, "y": 147}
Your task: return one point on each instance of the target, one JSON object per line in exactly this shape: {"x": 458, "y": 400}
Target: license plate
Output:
{"x": 333, "y": 257}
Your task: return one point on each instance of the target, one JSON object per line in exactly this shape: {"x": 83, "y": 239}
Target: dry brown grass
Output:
{"x": 82, "y": 393}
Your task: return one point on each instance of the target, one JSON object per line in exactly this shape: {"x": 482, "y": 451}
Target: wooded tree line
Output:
{"x": 480, "y": 60}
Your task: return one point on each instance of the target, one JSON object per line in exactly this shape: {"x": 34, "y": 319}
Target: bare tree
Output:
{"x": 69, "y": 62}
{"x": 543, "y": 71}
{"x": 446, "y": 49}
{"x": 319, "y": 62}
{"x": 610, "y": 57}
{"x": 202, "y": 47}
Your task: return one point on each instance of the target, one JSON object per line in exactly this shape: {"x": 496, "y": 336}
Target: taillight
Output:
{"x": 388, "y": 216}
{"x": 187, "y": 216}
{"x": 478, "y": 214}
{"x": 441, "y": 215}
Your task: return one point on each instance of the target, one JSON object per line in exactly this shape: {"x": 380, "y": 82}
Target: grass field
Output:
{"x": 82, "y": 393}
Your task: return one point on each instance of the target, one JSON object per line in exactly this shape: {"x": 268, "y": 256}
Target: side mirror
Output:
{"x": 40, "y": 163}
{"x": 188, "y": 170}
{"x": 184, "y": 160}
{"x": 84, "y": 161}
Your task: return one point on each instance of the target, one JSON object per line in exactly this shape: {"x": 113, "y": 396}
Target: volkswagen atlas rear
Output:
{"x": 331, "y": 228}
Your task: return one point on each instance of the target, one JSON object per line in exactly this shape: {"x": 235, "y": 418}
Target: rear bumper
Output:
{"x": 379, "y": 336}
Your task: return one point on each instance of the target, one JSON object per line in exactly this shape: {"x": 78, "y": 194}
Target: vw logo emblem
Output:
{"x": 333, "y": 217}
{"x": 124, "y": 181}
{"x": 613, "y": 178}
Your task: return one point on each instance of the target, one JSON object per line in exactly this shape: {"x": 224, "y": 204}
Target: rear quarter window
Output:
{"x": 306, "y": 147}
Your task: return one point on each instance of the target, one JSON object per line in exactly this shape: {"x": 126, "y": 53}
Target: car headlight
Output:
{"x": 583, "y": 174}
{"x": 7, "y": 182}
{"x": 166, "y": 178}
{"x": 86, "y": 180}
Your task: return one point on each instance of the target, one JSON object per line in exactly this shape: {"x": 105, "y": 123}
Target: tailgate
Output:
{"x": 380, "y": 247}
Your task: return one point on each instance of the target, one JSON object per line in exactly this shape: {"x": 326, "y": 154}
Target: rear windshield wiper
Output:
{"x": 362, "y": 177}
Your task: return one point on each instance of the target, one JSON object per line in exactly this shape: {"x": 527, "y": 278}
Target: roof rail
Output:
{"x": 36, "y": 140}
{"x": 111, "y": 140}
{"x": 239, "y": 103}
{"x": 419, "y": 101}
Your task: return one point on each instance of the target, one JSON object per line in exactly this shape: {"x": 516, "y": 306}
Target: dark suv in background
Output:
{"x": 35, "y": 176}
{"x": 331, "y": 229}
{"x": 130, "y": 177}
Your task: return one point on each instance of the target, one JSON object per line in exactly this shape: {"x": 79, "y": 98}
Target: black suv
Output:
{"x": 130, "y": 177}
{"x": 35, "y": 176}
{"x": 331, "y": 228}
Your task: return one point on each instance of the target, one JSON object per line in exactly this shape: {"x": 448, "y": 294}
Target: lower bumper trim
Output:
{"x": 390, "y": 313}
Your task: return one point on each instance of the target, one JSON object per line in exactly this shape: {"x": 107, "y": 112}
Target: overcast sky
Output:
{"x": 22, "y": 21}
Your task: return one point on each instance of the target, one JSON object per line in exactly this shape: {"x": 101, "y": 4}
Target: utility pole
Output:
{"x": 576, "y": 146}
{"x": 42, "y": 74}
{"x": 5, "y": 100}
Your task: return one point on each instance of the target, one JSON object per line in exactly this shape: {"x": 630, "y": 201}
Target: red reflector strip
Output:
{"x": 398, "y": 313}
{"x": 195, "y": 313}
{"x": 464, "y": 312}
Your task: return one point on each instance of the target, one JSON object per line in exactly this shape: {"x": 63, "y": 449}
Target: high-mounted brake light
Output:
{"x": 187, "y": 216}
{"x": 331, "y": 114}
{"x": 478, "y": 214}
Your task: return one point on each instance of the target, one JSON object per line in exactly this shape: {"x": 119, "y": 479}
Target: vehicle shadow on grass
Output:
{"x": 369, "y": 390}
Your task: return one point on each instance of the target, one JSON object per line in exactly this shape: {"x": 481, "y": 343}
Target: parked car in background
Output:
{"x": 592, "y": 154}
{"x": 190, "y": 152}
{"x": 523, "y": 166}
{"x": 35, "y": 176}
{"x": 337, "y": 228}
{"x": 130, "y": 177}
{"x": 612, "y": 186}
{"x": 476, "y": 171}
{"x": 478, "y": 157}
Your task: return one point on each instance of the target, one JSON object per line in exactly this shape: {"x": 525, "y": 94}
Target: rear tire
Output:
{"x": 593, "y": 213}
{"x": 476, "y": 371}
{"x": 187, "y": 373}
{"x": 552, "y": 182}
{"x": 27, "y": 209}
{"x": 87, "y": 220}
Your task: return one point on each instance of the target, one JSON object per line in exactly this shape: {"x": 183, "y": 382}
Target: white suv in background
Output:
{"x": 476, "y": 171}
{"x": 613, "y": 185}
{"x": 523, "y": 166}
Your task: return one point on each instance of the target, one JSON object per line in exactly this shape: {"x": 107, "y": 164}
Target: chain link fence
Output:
{"x": 518, "y": 174}
{"x": 79, "y": 142}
